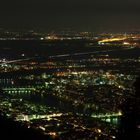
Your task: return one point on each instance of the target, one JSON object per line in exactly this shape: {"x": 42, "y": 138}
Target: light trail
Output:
{"x": 16, "y": 60}
{"x": 86, "y": 53}
{"x": 63, "y": 55}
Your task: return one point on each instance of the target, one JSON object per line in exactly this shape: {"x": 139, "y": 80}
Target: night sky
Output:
{"x": 77, "y": 14}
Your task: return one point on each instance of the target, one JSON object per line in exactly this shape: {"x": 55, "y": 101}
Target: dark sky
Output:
{"x": 78, "y": 14}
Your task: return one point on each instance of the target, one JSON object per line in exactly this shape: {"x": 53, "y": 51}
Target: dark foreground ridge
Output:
{"x": 16, "y": 131}
{"x": 130, "y": 120}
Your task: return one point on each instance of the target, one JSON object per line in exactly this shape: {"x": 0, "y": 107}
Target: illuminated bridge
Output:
{"x": 18, "y": 90}
{"x": 108, "y": 117}
{"x": 112, "y": 39}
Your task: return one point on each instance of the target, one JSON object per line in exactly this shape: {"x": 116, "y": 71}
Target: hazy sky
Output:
{"x": 78, "y": 14}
